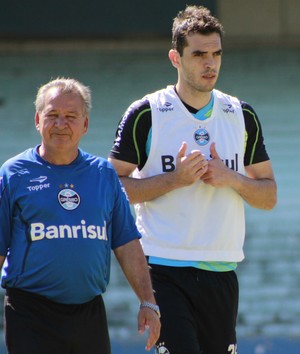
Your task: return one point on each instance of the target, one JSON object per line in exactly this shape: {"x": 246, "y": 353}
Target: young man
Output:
{"x": 62, "y": 210}
{"x": 189, "y": 156}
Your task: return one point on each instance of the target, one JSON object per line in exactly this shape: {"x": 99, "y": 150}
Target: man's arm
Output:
{"x": 2, "y": 259}
{"x": 258, "y": 188}
{"x": 134, "y": 265}
{"x": 189, "y": 169}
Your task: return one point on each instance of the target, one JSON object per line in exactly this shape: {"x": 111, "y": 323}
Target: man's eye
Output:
{"x": 218, "y": 53}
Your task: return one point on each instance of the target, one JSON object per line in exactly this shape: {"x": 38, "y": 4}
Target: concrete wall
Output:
{"x": 264, "y": 22}
{"x": 71, "y": 19}
{"x": 246, "y": 22}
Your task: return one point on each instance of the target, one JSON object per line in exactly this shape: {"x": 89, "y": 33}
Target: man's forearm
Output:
{"x": 2, "y": 260}
{"x": 133, "y": 263}
{"x": 258, "y": 193}
{"x": 146, "y": 189}
{"x": 189, "y": 169}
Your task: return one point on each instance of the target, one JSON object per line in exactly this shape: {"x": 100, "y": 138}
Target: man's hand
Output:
{"x": 258, "y": 189}
{"x": 218, "y": 174}
{"x": 189, "y": 168}
{"x": 149, "y": 320}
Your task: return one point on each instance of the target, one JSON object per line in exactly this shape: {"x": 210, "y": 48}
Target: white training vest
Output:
{"x": 198, "y": 222}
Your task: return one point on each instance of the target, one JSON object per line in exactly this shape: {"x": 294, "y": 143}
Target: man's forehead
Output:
{"x": 56, "y": 93}
{"x": 55, "y": 99}
{"x": 204, "y": 40}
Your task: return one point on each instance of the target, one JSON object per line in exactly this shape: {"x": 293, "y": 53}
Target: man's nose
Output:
{"x": 60, "y": 121}
{"x": 210, "y": 62}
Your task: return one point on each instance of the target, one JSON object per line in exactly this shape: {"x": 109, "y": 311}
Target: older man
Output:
{"x": 62, "y": 210}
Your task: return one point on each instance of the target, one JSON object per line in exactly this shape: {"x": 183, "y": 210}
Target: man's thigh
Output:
{"x": 198, "y": 310}
{"x": 34, "y": 326}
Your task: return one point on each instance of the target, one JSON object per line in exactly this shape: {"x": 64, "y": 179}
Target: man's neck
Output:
{"x": 195, "y": 99}
{"x": 57, "y": 157}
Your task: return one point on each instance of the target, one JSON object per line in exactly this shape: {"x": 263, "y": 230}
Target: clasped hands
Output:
{"x": 195, "y": 166}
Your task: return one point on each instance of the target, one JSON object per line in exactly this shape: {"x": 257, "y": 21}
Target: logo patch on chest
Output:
{"x": 201, "y": 136}
{"x": 68, "y": 199}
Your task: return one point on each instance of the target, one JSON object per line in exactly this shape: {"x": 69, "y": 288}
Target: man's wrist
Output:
{"x": 149, "y": 305}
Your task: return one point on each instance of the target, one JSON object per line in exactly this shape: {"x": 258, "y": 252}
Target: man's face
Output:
{"x": 62, "y": 121}
{"x": 199, "y": 65}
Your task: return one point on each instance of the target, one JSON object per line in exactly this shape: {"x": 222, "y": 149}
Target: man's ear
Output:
{"x": 37, "y": 121}
{"x": 86, "y": 124}
{"x": 174, "y": 57}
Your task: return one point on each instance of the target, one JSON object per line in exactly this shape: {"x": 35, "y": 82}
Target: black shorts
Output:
{"x": 198, "y": 310}
{"x": 36, "y": 325}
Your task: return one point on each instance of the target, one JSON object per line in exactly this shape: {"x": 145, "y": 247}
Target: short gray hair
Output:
{"x": 64, "y": 85}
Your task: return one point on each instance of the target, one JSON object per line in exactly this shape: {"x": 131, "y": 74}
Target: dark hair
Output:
{"x": 194, "y": 19}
